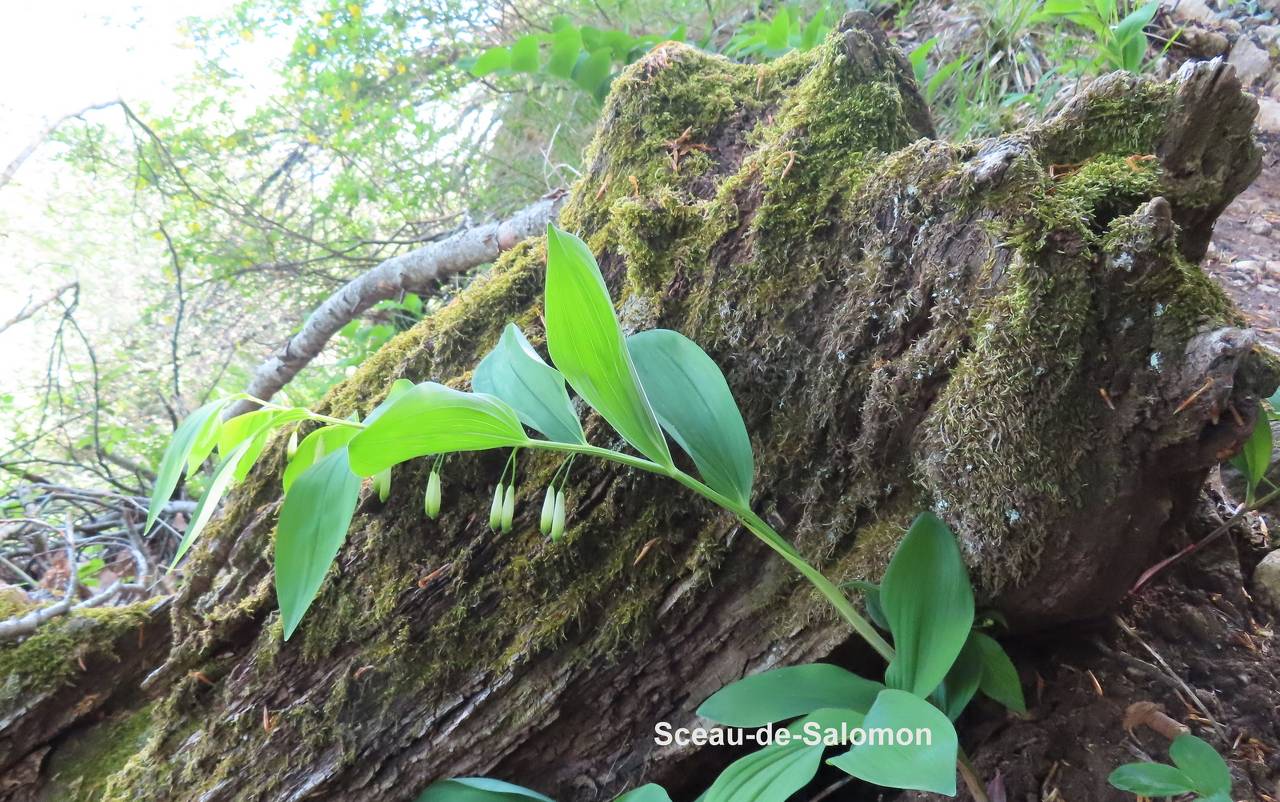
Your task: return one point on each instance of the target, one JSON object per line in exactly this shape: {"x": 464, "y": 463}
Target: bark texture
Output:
{"x": 1005, "y": 332}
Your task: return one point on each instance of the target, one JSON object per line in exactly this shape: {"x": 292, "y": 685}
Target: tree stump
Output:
{"x": 1013, "y": 333}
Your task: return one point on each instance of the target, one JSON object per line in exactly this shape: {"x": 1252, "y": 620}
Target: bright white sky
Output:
{"x": 61, "y": 55}
{"x": 58, "y": 56}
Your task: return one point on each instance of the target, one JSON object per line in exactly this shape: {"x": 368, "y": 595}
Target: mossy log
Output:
{"x": 1013, "y": 333}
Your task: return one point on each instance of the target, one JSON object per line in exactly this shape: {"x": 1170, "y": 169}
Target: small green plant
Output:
{"x": 1119, "y": 31}
{"x": 1197, "y": 769}
{"x": 585, "y": 55}
{"x": 766, "y": 38}
{"x": 589, "y": 57}
{"x": 647, "y": 386}
{"x": 1254, "y": 459}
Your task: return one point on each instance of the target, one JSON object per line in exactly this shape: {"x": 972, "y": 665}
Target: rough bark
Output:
{"x": 1005, "y": 332}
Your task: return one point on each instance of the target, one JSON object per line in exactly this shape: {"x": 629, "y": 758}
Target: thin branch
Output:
{"x": 45, "y": 133}
{"x": 26, "y": 624}
{"x": 32, "y": 307}
{"x": 415, "y": 269}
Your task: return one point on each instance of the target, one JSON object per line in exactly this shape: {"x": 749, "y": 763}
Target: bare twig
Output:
{"x": 418, "y": 268}
{"x": 26, "y": 624}
{"x": 1191, "y": 694}
{"x": 45, "y": 133}
{"x": 32, "y": 307}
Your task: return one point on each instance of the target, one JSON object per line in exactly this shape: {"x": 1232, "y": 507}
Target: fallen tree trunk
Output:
{"x": 1013, "y": 333}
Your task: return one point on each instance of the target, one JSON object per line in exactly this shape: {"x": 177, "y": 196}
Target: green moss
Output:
{"x": 80, "y": 766}
{"x": 1127, "y": 119}
{"x": 52, "y": 656}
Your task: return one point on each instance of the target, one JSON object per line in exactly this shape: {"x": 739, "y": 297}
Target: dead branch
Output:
{"x": 407, "y": 272}
{"x": 31, "y": 307}
{"x": 45, "y": 133}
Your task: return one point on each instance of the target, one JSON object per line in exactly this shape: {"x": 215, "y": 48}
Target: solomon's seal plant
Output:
{"x": 1197, "y": 769}
{"x": 648, "y": 386}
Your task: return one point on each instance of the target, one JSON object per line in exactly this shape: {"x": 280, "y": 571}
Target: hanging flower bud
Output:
{"x": 292, "y": 448}
{"x": 495, "y": 508}
{"x": 382, "y": 483}
{"x": 509, "y": 507}
{"x": 548, "y": 510}
{"x": 557, "y": 517}
{"x": 432, "y": 501}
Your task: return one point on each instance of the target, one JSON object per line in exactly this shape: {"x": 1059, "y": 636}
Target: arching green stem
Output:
{"x": 754, "y": 523}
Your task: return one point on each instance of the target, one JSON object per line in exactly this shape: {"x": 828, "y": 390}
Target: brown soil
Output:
{"x": 1245, "y": 257}
{"x": 1200, "y": 648}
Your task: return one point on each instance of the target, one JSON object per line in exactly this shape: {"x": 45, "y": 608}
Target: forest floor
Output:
{"x": 1245, "y": 254}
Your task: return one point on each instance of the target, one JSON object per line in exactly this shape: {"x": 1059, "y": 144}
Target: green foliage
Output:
{"x": 925, "y": 595}
{"x": 922, "y": 767}
{"x": 784, "y": 693}
{"x": 514, "y": 372}
{"x": 583, "y": 54}
{"x": 191, "y": 444}
{"x": 1254, "y": 459}
{"x": 586, "y": 343}
{"x": 1197, "y": 769}
{"x": 787, "y": 30}
{"x": 478, "y": 789}
{"x": 695, "y": 406}
{"x": 1119, "y": 39}
{"x": 929, "y": 628}
{"x": 774, "y": 773}
{"x": 999, "y": 677}
{"x": 222, "y": 479}
{"x": 313, "y": 526}
{"x": 433, "y": 419}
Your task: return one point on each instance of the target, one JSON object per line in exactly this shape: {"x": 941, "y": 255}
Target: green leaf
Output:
{"x": 871, "y": 600}
{"x": 258, "y": 438}
{"x": 926, "y": 597}
{"x": 398, "y": 388}
{"x": 313, "y": 526}
{"x": 592, "y": 72}
{"x": 784, "y": 693}
{"x": 774, "y": 773}
{"x": 243, "y": 427}
{"x": 920, "y": 766}
{"x": 1151, "y": 779}
{"x": 1209, "y": 773}
{"x": 325, "y": 440}
{"x": 478, "y": 789}
{"x": 192, "y": 432}
{"x": 1132, "y": 25}
{"x": 433, "y": 419}
{"x": 778, "y": 38}
{"x": 694, "y": 404}
{"x": 962, "y": 681}
{"x": 205, "y": 441}
{"x": 645, "y": 793}
{"x": 814, "y": 30}
{"x": 524, "y": 54}
{"x": 491, "y": 61}
{"x": 1254, "y": 458}
{"x": 222, "y": 479}
{"x": 566, "y": 44}
{"x": 999, "y": 676}
{"x": 515, "y": 373}
{"x": 586, "y": 344}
